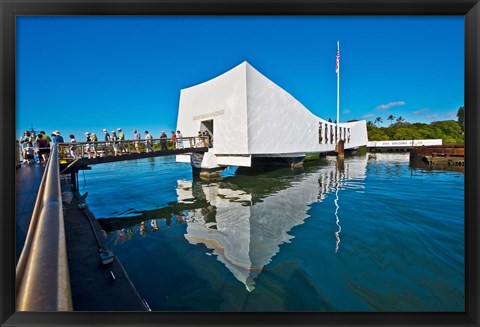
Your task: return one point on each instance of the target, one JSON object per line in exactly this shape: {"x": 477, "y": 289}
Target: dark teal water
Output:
{"x": 368, "y": 234}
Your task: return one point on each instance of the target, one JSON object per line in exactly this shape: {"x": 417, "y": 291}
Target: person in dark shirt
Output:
{"x": 88, "y": 145}
{"x": 115, "y": 143}
{"x": 42, "y": 148}
{"x": 163, "y": 141}
{"x": 57, "y": 138}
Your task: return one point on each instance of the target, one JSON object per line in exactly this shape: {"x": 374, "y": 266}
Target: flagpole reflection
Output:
{"x": 337, "y": 233}
{"x": 337, "y": 207}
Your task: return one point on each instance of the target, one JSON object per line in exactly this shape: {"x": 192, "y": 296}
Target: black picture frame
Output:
{"x": 470, "y": 9}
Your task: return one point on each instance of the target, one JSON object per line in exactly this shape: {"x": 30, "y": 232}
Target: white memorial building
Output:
{"x": 253, "y": 120}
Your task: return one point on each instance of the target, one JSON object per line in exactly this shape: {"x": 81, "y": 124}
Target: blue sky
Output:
{"x": 78, "y": 74}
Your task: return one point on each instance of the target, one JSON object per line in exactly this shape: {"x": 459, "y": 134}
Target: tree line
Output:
{"x": 450, "y": 131}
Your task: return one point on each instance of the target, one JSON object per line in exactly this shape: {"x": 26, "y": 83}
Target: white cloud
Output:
{"x": 421, "y": 111}
{"x": 368, "y": 116}
{"x": 451, "y": 115}
{"x": 346, "y": 111}
{"x": 390, "y": 105}
{"x": 432, "y": 116}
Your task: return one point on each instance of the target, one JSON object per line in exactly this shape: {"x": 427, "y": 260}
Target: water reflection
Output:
{"x": 337, "y": 220}
{"x": 244, "y": 219}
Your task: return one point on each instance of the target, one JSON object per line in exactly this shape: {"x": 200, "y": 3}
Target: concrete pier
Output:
{"x": 341, "y": 149}
{"x": 95, "y": 286}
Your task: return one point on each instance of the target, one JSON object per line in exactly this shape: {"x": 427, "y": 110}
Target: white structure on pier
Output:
{"x": 403, "y": 144}
{"x": 250, "y": 116}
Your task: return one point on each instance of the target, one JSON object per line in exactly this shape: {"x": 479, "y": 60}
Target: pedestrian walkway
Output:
{"x": 27, "y": 182}
{"x": 68, "y": 165}
{"x": 94, "y": 286}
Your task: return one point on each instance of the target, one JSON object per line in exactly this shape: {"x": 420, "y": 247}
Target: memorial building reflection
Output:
{"x": 244, "y": 219}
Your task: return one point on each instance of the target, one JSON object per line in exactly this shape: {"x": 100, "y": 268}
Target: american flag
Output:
{"x": 338, "y": 58}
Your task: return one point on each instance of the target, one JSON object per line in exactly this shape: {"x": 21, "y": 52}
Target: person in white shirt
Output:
{"x": 179, "y": 140}
{"x": 73, "y": 147}
{"x": 136, "y": 137}
{"x": 148, "y": 141}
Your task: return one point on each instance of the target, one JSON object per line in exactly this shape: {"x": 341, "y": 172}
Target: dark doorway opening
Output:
{"x": 207, "y": 125}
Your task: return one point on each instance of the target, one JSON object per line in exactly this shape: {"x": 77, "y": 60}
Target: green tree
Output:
{"x": 449, "y": 131}
{"x": 391, "y": 118}
{"x": 378, "y": 120}
{"x": 406, "y": 133}
{"x": 378, "y": 134}
{"x": 400, "y": 119}
{"x": 461, "y": 117}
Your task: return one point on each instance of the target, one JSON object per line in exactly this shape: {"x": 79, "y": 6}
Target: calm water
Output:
{"x": 371, "y": 234}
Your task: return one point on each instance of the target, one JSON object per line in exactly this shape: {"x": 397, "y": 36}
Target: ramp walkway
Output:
{"x": 69, "y": 164}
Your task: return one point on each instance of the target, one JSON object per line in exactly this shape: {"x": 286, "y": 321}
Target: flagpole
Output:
{"x": 338, "y": 89}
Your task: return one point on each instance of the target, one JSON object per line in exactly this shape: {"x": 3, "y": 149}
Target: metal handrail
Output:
{"x": 106, "y": 148}
{"x": 42, "y": 277}
{"x": 191, "y": 140}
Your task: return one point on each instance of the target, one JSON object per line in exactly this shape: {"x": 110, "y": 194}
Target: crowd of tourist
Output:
{"x": 36, "y": 148}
